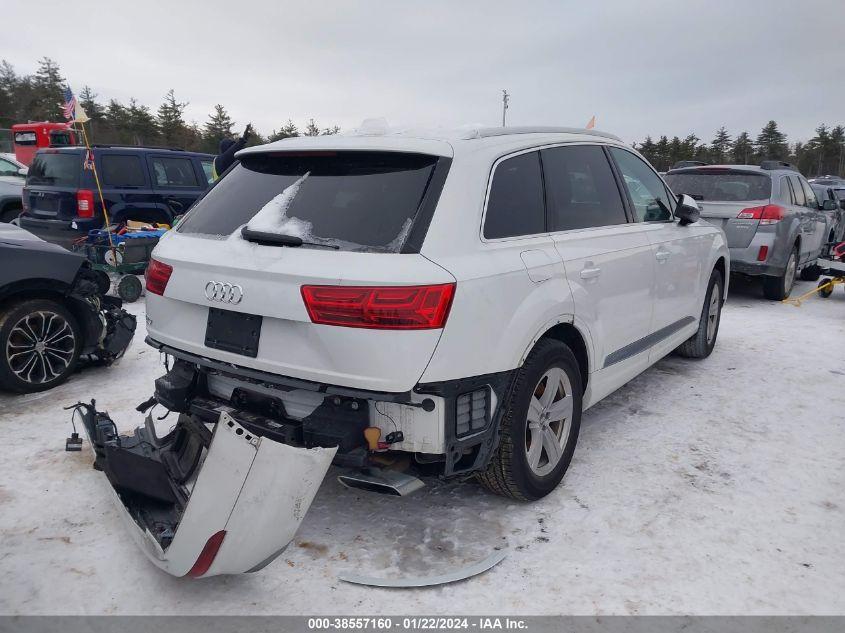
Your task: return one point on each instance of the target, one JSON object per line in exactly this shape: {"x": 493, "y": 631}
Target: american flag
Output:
{"x": 69, "y": 106}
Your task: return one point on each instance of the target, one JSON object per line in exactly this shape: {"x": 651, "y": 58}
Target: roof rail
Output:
{"x": 485, "y": 132}
{"x": 126, "y": 146}
{"x": 777, "y": 164}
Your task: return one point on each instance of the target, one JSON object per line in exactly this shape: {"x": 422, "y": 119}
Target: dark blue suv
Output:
{"x": 61, "y": 202}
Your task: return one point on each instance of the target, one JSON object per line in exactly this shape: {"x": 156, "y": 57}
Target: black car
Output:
{"x": 52, "y": 314}
{"x": 61, "y": 202}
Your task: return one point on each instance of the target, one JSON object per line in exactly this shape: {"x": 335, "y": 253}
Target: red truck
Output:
{"x": 29, "y": 137}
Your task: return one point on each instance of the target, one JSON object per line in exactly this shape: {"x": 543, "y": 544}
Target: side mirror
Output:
{"x": 23, "y": 171}
{"x": 829, "y": 205}
{"x": 687, "y": 210}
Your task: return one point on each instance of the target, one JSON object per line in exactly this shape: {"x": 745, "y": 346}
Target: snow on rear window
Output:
{"x": 359, "y": 201}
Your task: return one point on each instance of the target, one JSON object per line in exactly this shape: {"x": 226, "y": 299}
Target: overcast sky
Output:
{"x": 641, "y": 66}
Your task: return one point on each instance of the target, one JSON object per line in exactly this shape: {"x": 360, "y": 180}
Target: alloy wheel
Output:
{"x": 713, "y": 314}
{"x": 40, "y": 347}
{"x": 549, "y": 421}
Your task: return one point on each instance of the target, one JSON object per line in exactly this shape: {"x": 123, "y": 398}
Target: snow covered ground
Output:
{"x": 700, "y": 487}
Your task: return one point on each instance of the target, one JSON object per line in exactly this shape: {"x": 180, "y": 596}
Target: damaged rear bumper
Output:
{"x": 203, "y": 502}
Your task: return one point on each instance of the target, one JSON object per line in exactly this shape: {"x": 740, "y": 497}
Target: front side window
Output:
{"x": 8, "y": 168}
{"x": 580, "y": 188}
{"x": 812, "y": 201}
{"x": 652, "y": 202}
{"x": 122, "y": 171}
{"x": 515, "y": 206}
{"x": 174, "y": 172}
{"x": 208, "y": 170}
{"x": 798, "y": 191}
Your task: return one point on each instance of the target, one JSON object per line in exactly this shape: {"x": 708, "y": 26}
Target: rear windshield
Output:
{"x": 723, "y": 186}
{"x": 359, "y": 201}
{"x": 60, "y": 170}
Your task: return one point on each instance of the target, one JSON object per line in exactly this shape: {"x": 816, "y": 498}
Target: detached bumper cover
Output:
{"x": 251, "y": 489}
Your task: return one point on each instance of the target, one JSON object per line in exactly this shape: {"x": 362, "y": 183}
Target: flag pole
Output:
{"x": 99, "y": 188}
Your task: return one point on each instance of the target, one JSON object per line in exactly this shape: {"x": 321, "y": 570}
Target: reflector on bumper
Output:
{"x": 251, "y": 489}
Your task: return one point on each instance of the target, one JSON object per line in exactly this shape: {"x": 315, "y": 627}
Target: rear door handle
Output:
{"x": 662, "y": 256}
{"x": 590, "y": 273}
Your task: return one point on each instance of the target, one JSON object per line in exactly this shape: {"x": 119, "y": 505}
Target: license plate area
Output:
{"x": 233, "y": 332}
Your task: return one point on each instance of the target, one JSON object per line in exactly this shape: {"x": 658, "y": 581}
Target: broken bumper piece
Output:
{"x": 203, "y": 502}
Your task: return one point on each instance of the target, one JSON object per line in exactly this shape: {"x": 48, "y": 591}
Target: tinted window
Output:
{"x": 174, "y": 172}
{"x": 61, "y": 170}
{"x": 652, "y": 203}
{"x": 839, "y": 193}
{"x": 798, "y": 191}
{"x": 207, "y": 169}
{"x": 363, "y": 201}
{"x": 60, "y": 139}
{"x": 580, "y": 188}
{"x": 122, "y": 171}
{"x": 515, "y": 206}
{"x": 785, "y": 191}
{"x": 721, "y": 185}
{"x": 812, "y": 202}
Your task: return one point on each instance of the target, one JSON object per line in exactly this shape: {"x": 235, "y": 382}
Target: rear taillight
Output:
{"x": 158, "y": 274}
{"x": 207, "y": 555}
{"x": 769, "y": 214}
{"x": 380, "y": 307}
{"x": 85, "y": 203}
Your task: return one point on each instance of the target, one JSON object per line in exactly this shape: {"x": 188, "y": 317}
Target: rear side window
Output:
{"x": 798, "y": 191}
{"x": 652, "y": 202}
{"x": 174, "y": 172}
{"x": 785, "y": 191}
{"x": 122, "y": 171}
{"x": 60, "y": 170}
{"x": 515, "y": 205}
{"x": 357, "y": 201}
{"x": 580, "y": 188}
{"x": 722, "y": 185}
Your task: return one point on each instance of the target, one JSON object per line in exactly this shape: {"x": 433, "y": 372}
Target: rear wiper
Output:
{"x": 279, "y": 239}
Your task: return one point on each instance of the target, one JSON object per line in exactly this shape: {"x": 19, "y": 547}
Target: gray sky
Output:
{"x": 641, "y": 66}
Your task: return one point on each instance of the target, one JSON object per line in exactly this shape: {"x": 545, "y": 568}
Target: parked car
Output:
{"x": 11, "y": 166}
{"x": 774, "y": 224}
{"x": 445, "y": 304}
{"x": 52, "y": 316}
{"x": 11, "y": 192}
{"x": 836, "y": 216}
{"x": 61, "y": 202}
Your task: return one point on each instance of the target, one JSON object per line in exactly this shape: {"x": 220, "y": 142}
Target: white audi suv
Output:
{"x": 435, "y": 303}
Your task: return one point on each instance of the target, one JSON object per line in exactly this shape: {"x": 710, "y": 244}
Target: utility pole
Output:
{"x": 505, "y": 98}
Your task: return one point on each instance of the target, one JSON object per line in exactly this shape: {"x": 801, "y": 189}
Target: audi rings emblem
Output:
{"x": 224, "y": 292}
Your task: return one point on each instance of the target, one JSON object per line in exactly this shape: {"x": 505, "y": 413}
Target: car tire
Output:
{"x": 129, "y": 288}
{"x": 40, "y": 341}
{"x": 811, "y": 273}
{"x": 701, "y": 344}
{"x": 515, "y": 470}
{"x": 779, "y": 288}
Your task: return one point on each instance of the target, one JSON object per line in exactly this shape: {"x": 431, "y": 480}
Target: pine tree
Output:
{"x": 648, "y": 150}
{"x": 720, "y": 146}
{"x": 286, "y": 131}
{"x": 661, "y": 150}
{"x": 47, "y": 92}
{"x": 742, "y": 149}
{"x": 311, "y": 129}
{"x": 218, "y": 126}
{"x": 837, "y": 139}
{"x": 88, "y": 101}
{"x": 9, "y": 88}
{"x": 771, "y": 143}
{"x": 171, "y": 122}
{"x": 141, "y": 124}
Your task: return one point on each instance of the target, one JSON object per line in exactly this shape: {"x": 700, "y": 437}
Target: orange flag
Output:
{"x": 592, "y": 123}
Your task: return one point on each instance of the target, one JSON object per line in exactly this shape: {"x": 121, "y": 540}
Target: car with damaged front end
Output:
{"x": 398, "y": 305}
{"x": 53, "y": 316}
